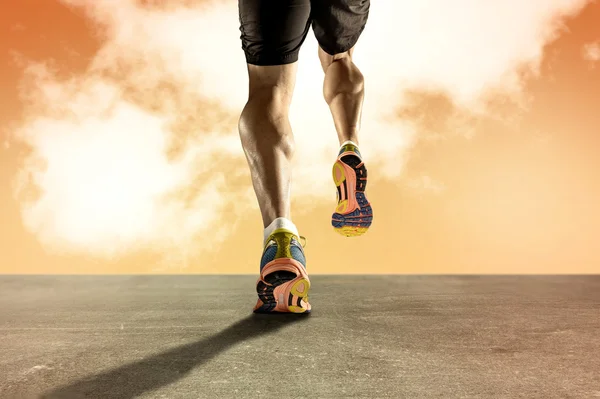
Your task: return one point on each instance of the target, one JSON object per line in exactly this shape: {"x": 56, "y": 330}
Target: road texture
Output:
{"x": 368, "y": 337}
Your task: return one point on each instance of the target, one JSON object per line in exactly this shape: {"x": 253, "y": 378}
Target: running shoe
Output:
{"x": 353, "y": 214}
{"x": 283, "y": 284}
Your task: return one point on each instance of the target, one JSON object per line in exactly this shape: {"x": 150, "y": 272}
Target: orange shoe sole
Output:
{"x": 353, "y": 214}
{"x": 280, "y": 293}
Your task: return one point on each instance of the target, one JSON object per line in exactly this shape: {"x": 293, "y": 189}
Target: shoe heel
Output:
{"x": 338, "y": 173}
{"x": 298, "y": 297}
{"x": 339, "y": 178}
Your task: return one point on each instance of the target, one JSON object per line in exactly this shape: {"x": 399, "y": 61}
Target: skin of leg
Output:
{"x": 343, "y": 89}
{"x": 267, "y": 138}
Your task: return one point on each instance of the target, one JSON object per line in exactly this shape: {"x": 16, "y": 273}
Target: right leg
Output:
{"x": 338, "y": 25}
{"x": 343, "y": 89}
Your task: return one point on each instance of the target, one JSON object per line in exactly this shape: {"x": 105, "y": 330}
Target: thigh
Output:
{"x": 272, "y": 31}
{"x": 339, "y": 23}
{"x": 275, "y": 82}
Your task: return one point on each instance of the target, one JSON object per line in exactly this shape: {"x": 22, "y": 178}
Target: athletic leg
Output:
{"x": 272, "y": 33}
{"x": 338, "y": 25}
{"x": 267, "y": 137}
{"x": 343, "y": 89}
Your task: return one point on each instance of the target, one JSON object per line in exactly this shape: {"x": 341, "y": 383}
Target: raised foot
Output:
{"x": 355, "y": 223}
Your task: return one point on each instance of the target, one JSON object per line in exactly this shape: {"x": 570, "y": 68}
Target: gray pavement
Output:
{"x": 368, "y": 337}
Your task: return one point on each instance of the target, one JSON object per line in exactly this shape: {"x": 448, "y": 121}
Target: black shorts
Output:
{"x": 273, "y": 30}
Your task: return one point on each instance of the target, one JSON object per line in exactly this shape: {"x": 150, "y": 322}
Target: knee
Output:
{"x": 266, "y": 115}
{"x": 343, "y": 78}
{"x": 266, "y": 104}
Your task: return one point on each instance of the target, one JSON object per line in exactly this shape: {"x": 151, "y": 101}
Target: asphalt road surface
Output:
{"x": 368, "y": 337}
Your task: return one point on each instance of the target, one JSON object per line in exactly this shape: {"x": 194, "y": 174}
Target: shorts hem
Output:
{"x": 341, "y": 49}
{"x": 273, "y": 60}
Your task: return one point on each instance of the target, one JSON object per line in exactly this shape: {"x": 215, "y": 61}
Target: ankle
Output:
{"x": 349, "y": 146}
{"x": 351, "y": 142}
{"x": 279, "y": 223}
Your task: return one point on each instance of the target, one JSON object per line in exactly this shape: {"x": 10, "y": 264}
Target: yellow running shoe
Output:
{"x": 353, "y": 214}
{"x": 283, "y": 284}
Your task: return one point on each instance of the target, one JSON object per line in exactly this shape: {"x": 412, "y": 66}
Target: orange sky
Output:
{"x": 520, "y": 194}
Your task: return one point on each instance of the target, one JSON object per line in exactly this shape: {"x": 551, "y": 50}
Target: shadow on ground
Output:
{"x": 154, "y": 372}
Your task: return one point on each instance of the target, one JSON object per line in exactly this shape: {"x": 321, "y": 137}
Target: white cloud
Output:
{"x": 426, "y": 184}
{"x": 106, "y": 181}
{"x": 109, "y": 184}
{"x": 591, "y": 52}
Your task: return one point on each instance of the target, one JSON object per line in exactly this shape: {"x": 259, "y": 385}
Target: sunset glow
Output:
{"x": 120, "y": 141}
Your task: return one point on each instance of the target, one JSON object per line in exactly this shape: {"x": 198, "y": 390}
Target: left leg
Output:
{"x": 267, "y": 137}
{"x": 272, "y": 33}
